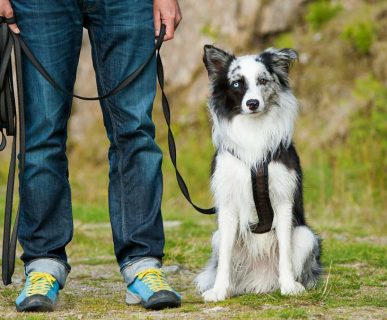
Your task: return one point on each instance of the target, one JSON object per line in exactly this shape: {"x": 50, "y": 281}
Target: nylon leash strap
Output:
{"x": 12, "y": 116}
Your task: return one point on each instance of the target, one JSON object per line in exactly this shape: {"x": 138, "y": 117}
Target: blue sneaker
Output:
{"x": 151, "y": 289}
{"x": 40, "y": 293}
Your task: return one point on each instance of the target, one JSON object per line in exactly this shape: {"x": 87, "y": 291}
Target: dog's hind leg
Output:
{"x": 228, "y": 227}
{"x": 206, "y": 279}
{"x": 306, "y": 256}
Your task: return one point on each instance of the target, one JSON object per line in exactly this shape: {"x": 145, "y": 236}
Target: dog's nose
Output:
{"x": 253, "y": 104}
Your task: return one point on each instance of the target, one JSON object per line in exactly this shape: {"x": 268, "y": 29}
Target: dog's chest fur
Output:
{"x": 252, "y": 140}
{"x": 231, "y": 184}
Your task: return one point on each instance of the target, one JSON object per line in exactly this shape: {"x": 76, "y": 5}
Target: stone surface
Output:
{"x": 230, "y": 25}
{"x": 278, "y": 16}
{"x": 171, "y": 269}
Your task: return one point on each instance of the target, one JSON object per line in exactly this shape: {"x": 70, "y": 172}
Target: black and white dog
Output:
{"x": 253, "y": 111}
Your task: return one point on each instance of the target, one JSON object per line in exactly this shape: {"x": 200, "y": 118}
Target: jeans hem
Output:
{"x": 132, "y": 268}
{"x": 58, "y": 269}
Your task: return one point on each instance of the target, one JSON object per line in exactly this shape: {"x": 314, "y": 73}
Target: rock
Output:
{"x": 279, "y": 15}
{"x": 171, "y": 224}
{"x": 216, "y": 22}
{"x": 215, "y": 309}
{"x": 171, "y": 269}
{"x": 231, "y": 25}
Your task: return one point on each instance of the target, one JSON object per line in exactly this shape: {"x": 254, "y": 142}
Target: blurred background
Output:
{"x": 341, "y": 134}
{"x": 340, "y": 81}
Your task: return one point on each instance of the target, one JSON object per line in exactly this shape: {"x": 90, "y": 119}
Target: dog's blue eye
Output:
{"x": 235, "y": 84}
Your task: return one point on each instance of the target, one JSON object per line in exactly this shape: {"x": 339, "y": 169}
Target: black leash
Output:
{"x": 8, "y": 126}
{"x": 124, "y": 84}
{"x": 9, "y": 115}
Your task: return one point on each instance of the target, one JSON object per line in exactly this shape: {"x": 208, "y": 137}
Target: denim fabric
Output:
{"x": 122, "y": 36}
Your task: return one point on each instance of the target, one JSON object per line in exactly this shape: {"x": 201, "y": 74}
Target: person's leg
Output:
{"x": 53, "y": 31}
{"x": 122, "y": 37}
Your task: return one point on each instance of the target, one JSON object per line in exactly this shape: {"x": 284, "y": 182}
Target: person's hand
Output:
{"x": 167, "y": 12}
{"x": 7, "y": 11}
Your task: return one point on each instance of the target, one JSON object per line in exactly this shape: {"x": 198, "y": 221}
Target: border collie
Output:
{"x": 253, "y": 112}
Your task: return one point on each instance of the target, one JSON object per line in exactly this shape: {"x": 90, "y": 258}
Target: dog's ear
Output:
{"x": 216, "y": 60}
{"x": 279, "y": 61}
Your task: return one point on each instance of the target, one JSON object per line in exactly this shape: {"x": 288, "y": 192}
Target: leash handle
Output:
{"x": 8, "y": 119}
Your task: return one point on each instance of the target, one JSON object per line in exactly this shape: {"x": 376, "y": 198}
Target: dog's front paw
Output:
{"x": 292, "y": 288}
{"x": 214, "y": 295}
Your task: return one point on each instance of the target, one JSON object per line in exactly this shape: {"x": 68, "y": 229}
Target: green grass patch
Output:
{"x": 284, "y": 40}
{"x": 348, "y": 252}
{"x": 361, "y": 35}
{"x": 209, "y": 31}
{"x": 320, "y": 12}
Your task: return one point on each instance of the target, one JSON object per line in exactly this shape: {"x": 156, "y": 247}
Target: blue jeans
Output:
{"x": 122, "y": 36}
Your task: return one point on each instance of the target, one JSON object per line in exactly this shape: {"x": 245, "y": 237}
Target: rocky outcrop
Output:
{"x": 228, "y": 24}
{"x": 279, "y": 15}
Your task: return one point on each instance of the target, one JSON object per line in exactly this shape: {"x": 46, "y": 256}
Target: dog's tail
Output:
{"x": 312, "y": 268}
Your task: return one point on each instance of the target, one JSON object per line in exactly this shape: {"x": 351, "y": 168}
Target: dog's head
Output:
{"x": 248, "y": 84}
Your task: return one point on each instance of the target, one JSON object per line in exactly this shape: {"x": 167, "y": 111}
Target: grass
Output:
{"x": 353, "y": 285}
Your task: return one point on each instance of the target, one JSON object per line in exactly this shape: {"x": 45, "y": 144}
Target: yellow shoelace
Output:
{"x": 39, "y": 283}
{"x": 154, "y": 279}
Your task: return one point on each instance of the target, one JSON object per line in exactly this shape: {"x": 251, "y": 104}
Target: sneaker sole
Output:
{"x": 131, "y": 298}
{"x": 36, "y": 303}
{"x": 164, "y": 299}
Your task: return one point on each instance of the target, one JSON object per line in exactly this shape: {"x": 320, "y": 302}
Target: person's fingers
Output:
{"x": 167, "y": 13}
{"x": 178, "y": 17}
{"x": 14, "y": 28}
{"x": 170, "y": 28}
{"x": 157, "y": 22}
{"x": 8, "y": 13}
{"x": 177, "y": 21}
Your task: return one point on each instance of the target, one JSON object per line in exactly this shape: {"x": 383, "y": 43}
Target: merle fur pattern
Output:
{"x": 253, "y": 111}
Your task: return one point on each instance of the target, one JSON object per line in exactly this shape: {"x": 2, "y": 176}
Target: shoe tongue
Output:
{"x": 149, "y": 272}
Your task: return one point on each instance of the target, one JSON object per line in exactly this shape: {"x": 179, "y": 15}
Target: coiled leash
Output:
{"x": 9, "y": 115}
{"x": 8, "y": 126}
